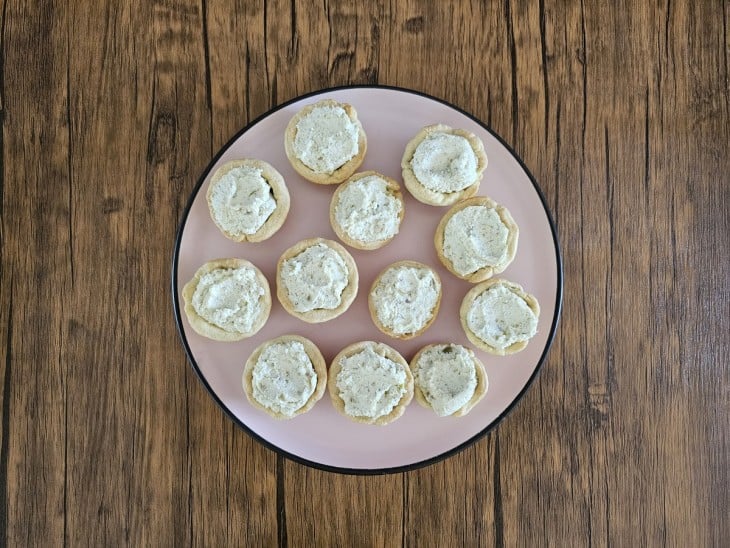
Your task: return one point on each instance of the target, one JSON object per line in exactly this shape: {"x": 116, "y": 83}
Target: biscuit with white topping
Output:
{"x": 404, "y": 299}
{"x": 370, "y": 382}
{"x": 476, "y": 239}
{"x": 325, "y": 142}
{"x": 448, "y": 379}
{"x": 499, "y": 316}
{"x": 366, "y": 210}
{"x": 316, "y": 280}
{"x": 248, "y": 200}
{"x": 285, "y": 376}
{"x": 227, "y": 300}
{"x": 442, "y": 165}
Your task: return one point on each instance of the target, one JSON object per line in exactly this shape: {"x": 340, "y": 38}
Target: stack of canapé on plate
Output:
{"x": 317, "y": 279}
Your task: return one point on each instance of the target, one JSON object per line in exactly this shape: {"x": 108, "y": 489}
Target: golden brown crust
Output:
{"x": 479, "y": 391}
{"x": 468, "y": 301}
{"x": 342, "y": 172}
{"x": 431, "y": 197}
{"x": 319, "y": 314}
{"x": 487, "y": 271}
{"x": 382, "y": 350}
{"x": 207, "y": 329}
{"x": 278, "y": 189}
{"x": 374, "y": 312}
{"x": 393, "y": 188}
{"x": 320, "y": 368}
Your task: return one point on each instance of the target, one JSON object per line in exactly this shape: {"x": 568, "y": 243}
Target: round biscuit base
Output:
{"x": 203, "y": 326}
{"x": 320, "y": 368}
{"x": 479, "y": 391}
{"x": 393, "y": 189}
{"x": 382, "y": 350}
{"x": 486, "y": 272}
{"x": 432, "y": 197}
{"x": 342, "y": 172}
{"x": 374, "y": 312}
{"x": 468, "y": 301}
{"x": 278, "y": 189}
{"x": 348, "y": 295}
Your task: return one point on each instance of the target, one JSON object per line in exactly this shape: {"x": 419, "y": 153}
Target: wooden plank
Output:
{"x": 457, "y": 501}
{"x": 37, "y": 274}
{"x": 689, "y": 200}
{"x": 124, "y": 189}
{"x": 326, "y": 509}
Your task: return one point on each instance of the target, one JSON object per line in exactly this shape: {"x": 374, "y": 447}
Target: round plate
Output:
{"x": 322, "y": 437}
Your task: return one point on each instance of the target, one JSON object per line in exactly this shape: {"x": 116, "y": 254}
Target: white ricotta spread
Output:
{"x": 405, "y": 297}
{"x": 501, "y": 318}
{"x": 474, "y": 238}
{"x": 315, "y": 278}
{"x": 326, "y": 139}
{"x": 242, "y": 201}
{"x": 284, "y": 378}
{"x": 370, "y": 385}
{"x": 229, "y": 298}
{"x": 444, "y": 162}
{"x": 447, "y": 377}
{"x": 367, "y": 212}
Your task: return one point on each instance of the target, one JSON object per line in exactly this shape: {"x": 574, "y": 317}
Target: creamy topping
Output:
{"x": 405, "y": 298}
{"x": 367, "y": 212}
{"x": 229, "y": 298}
{"x": 315, "y": 278}
{"x": 284, "y": 378}
{"x": 444, "y": 162}
{"x": 371, "y": 385}
{"x": 242, "y": 200}
{"x": 501, "y": 318}
{"x": 474, "y": 238}
{"x": 326, "y": 139}
{"x": 447, "y": 376}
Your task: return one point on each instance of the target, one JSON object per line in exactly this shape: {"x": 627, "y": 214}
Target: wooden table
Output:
{"x": 110, "y": 113}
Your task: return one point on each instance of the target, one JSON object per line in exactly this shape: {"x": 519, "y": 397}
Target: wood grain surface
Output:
{"x": 110, "y": 111}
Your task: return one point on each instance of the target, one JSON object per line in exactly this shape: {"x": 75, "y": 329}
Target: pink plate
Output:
{"x": 322, "y": 437}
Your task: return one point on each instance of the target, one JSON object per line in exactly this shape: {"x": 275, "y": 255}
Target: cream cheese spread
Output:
{"x": 371, "y": 385}
{"x": 284, "y": 378}
{"x": 501, "y": 318}
{"x": 229, "y": 298}
{"x": 405, "y": 297}
{"x": 326, "y": 139}
{"x": 315, "y": 278}
{"x": 447, "y": 377}
{"x": 242, "y": 201}
{"x": 474, "y": 238}
{"x": 367, "y": 212}
{"x": 444, "y": 162}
